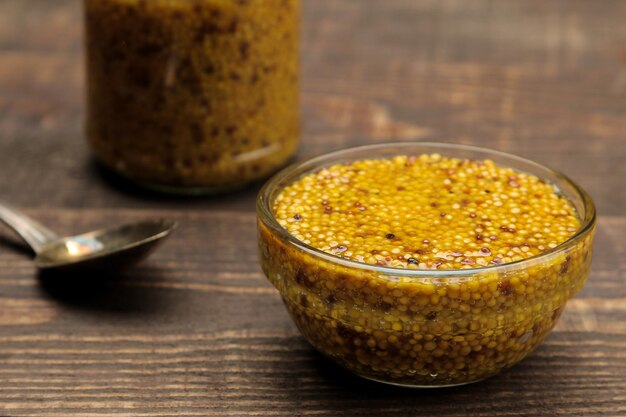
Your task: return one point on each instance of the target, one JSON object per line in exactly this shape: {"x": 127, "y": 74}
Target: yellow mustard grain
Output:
{"x": 426, "y": 212}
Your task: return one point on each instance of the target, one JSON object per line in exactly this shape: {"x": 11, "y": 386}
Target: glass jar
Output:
{"x": 192, "y": 95}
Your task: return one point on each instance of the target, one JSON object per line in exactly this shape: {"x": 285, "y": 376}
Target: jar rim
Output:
{"x": 295, "y": 171}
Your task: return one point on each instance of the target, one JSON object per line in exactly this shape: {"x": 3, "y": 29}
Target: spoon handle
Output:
{"x": 33, "y": 233}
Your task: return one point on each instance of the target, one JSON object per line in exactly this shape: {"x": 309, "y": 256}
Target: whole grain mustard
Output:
{"x": 192, "y": 93}
{"x": 426, "y": 212}
{"x": 464, "y": 225}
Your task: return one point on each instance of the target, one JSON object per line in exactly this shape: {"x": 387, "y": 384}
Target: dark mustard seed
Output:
{"x": 340, "y": 249}
{"x": 432, "y": 315}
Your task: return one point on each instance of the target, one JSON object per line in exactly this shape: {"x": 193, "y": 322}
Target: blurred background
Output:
{"x": 546, "y": 80}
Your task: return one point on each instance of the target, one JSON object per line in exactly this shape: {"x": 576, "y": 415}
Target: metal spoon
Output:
{"x": 101, "y": 249}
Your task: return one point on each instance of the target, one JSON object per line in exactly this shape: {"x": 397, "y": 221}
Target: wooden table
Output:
{"x": 197, "y": 330}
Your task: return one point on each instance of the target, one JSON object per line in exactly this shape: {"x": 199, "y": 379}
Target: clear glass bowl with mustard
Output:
{"x": 192, "y": 96}
{"x": 424, "y": 264}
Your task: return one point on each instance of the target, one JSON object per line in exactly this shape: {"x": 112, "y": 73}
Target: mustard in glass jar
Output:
{"x": 192, "y": 95}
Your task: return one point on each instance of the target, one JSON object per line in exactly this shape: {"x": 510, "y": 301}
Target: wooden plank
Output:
{"x": 197, "y": 330}
{"x": 120, "y": 346}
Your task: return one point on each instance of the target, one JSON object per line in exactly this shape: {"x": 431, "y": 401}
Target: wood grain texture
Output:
{"x": 197, "y": 330}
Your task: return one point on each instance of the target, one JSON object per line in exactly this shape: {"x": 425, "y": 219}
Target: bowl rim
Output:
{"x": 309, "y": 165}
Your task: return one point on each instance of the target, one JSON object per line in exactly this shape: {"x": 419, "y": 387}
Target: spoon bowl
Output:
{"x": 111, "y": 248}
{"x": 117, "y": 247}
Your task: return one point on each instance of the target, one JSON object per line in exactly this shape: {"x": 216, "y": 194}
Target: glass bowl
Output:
{"x": 423, "y": 328}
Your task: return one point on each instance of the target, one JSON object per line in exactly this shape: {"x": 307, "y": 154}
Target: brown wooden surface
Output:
{"x": 197, "y": 330}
